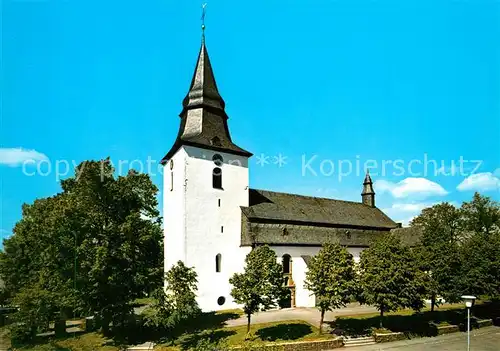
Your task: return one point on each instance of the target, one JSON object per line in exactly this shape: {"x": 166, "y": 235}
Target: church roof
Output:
{"x": 203, "y": 117}
{"x": 408, "y": 235}
{"x": 290, "y": 208}
{"x": 203, "y": 90}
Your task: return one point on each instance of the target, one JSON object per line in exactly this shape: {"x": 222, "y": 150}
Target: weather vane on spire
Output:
{"x": 203, "y": 13}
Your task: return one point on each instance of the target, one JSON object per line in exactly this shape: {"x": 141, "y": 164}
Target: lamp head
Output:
{"x": 469, "y": 300}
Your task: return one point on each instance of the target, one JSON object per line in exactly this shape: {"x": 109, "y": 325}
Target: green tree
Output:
{"x": 438, "y": 251}
{"x": 390, "y": 278}
{"x": 105, "y": 230}
{"x": 37, "y": 261}
{"x": 36, "y": 308}
{"x": 480, "y": 271}
{"x": 175, "y": 307}
{"x": 332, "y": 278}
{"x": 480, "y": 216}
{"x": 181, "y": 295}
{"x": 480, "y": 247}
{"x": 260, "y": 286}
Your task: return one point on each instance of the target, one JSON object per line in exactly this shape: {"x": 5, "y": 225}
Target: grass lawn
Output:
{"x": 412, "y": 323}
{"x": 284, "y": 331}
{"x": 83, "y": 342}
{"x": 261, "y": 333}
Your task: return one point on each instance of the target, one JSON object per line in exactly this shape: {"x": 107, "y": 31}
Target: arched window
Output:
{"x": 215, "y": 141}
{"x": 218, "y": 262}
{"x": 217, "y": 178}
{"x": 286, "y": 260}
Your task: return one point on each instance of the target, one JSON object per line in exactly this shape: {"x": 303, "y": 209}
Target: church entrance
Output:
{"x": 286, "y": 302}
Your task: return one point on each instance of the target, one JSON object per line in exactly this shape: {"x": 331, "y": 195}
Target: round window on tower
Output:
{"x": 218, "y": 160}
{"x": 221, "y": 300}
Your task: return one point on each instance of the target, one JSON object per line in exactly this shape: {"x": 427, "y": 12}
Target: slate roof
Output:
{"x": 307, "y": 259}
{"x": 292, "y": 234}
{"x": 290, "y": 208}
{"x": 203, "y": 117}
{"x": 408, "y": 235}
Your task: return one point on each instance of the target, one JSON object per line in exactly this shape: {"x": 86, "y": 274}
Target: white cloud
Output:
{"x": 480, "y": 181}
{"x": 405, "y": 212}
{"x": 410, "y": 207}
{"x": 14, "y": 157}
{"x": 415, "y": 187}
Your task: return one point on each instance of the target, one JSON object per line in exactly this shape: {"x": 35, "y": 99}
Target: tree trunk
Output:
{"x": 433, "y": 302}
{"x": 381, "y": 316}
{"x": 321, "y": 321}
{"x": 248, "y": 325}
{"x": 105, "y": 325}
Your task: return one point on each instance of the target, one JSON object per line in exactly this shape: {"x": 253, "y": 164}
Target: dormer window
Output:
{"x": 215, "y": 141}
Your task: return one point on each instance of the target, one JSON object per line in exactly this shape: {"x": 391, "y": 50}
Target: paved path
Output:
{"x": 309, "y": 315}
{"x": 484, "y": 339}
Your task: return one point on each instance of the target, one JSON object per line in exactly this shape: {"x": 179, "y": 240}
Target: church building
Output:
{"x": 213, "y": 218}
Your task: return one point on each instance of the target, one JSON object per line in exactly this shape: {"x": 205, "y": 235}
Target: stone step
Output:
{"x": 362, "y": 341}
{"x": 360, "y": 344}
{"x": 147, "y": 346}
{"x": 362, "y": 338}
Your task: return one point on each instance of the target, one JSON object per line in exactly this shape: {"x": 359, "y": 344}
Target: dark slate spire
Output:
{"x": 203, "y": 91}
{"x": 203, "y": 117}
{"x": 368, "y": 195}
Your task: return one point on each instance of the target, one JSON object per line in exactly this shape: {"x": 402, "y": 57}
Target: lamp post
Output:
{"x": 469, "y": 300}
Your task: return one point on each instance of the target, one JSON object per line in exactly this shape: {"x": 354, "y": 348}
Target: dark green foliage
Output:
{"x": 4, "y": 296}
{"x": 480, "y": 274}
{"x": 175, "y": 309}
{"x": 332, "y": 278}
{"x": 260, "y": 286}
{"x": 210, "y": 340}
{"x": 390, "y": 277}
{"x": 106, "y": 226}
{"x": 181, "y": 294}
{"x": 208, "y": 345}
{"x": 480, "y": 270}
{"x": 438, "y": 251}
{"x": 36, "y": 309}
{"x": 289, "y": 331}
{"x": 481, "y": 215}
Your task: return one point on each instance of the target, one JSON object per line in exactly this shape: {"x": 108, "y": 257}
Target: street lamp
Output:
{"x": 469, "y": 300}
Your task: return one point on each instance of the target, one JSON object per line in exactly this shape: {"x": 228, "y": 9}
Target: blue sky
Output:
{"x": 320, "y": 82}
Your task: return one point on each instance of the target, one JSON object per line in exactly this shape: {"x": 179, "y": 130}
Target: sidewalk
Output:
{"x": 309, "y": 315}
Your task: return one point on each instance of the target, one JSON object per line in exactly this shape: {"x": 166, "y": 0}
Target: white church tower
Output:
{"x": 205, "y": 183}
